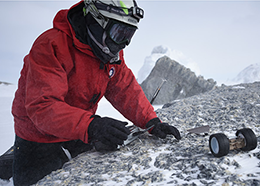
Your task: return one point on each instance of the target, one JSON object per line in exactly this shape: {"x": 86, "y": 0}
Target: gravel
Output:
{"x": 153, "y": 161}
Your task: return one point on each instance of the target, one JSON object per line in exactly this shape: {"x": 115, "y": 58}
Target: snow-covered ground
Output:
{"x": 6, "y": 119}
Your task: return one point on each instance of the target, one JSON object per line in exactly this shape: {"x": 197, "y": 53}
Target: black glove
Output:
{"x": 161, "y": 130}
{"x": 107, "y": 133}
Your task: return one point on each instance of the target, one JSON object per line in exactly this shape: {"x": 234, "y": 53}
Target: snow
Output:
{"x": 245, "y": 161}
{"x": 250, "y": 74}
{"x": 6, "y": 122}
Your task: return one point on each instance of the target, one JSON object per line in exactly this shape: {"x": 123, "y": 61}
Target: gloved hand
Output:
{"x": 161, "y": 130}
{"x": 107, "y": 133}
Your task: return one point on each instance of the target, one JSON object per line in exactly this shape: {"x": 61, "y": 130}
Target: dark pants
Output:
{"x": 33, "y": 161}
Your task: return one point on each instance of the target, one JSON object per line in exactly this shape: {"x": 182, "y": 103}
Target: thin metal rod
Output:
{"x": 157, "y": 91}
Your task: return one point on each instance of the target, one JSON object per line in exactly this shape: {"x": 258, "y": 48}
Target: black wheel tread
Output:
{"x": 223, "y": 142}
{"x": 250, "y": 138}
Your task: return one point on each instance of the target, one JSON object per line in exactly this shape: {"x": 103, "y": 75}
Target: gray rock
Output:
{"x": 181, "y": 82}
{"x": 5, "y": 83}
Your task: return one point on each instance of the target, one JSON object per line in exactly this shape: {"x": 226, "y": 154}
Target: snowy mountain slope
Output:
{"x": 160, "y": 51}
{"x": 249, "y": 75}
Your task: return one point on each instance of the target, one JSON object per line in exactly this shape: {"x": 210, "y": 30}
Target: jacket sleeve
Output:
{"x": 127, "y": 96}
{"x": 46, "y": 89}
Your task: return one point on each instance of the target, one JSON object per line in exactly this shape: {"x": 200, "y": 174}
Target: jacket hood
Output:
{"x": 72, "y": 23}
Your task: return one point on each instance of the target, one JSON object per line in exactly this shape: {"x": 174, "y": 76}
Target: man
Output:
{"x": 68, "y": 70}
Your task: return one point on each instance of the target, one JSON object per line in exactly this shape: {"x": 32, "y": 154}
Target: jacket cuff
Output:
{"x": 91, "y": 127}
{"x": 151, "y": 123}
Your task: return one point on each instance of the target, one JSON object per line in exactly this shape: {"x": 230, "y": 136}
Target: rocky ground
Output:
{"x": 152, "y": 161}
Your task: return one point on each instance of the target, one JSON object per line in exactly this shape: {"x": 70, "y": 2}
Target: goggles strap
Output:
{"x": 104, "y": 48}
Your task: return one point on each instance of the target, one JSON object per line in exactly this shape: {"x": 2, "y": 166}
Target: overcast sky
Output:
{"x": 220, "y": 37}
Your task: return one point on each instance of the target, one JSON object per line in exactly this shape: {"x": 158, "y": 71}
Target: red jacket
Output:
{"x": 61, "y": 83}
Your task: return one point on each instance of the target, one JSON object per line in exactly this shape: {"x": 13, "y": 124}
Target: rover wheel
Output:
{"x": 250, "y": 138}
{"x": 219, "y": 144}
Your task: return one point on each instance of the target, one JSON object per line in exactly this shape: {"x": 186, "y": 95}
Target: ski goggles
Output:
{"x": 120, "y": 32}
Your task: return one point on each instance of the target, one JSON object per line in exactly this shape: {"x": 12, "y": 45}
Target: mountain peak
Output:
{"x": 160, "y": 51}
{"x": 249, "y": 75}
